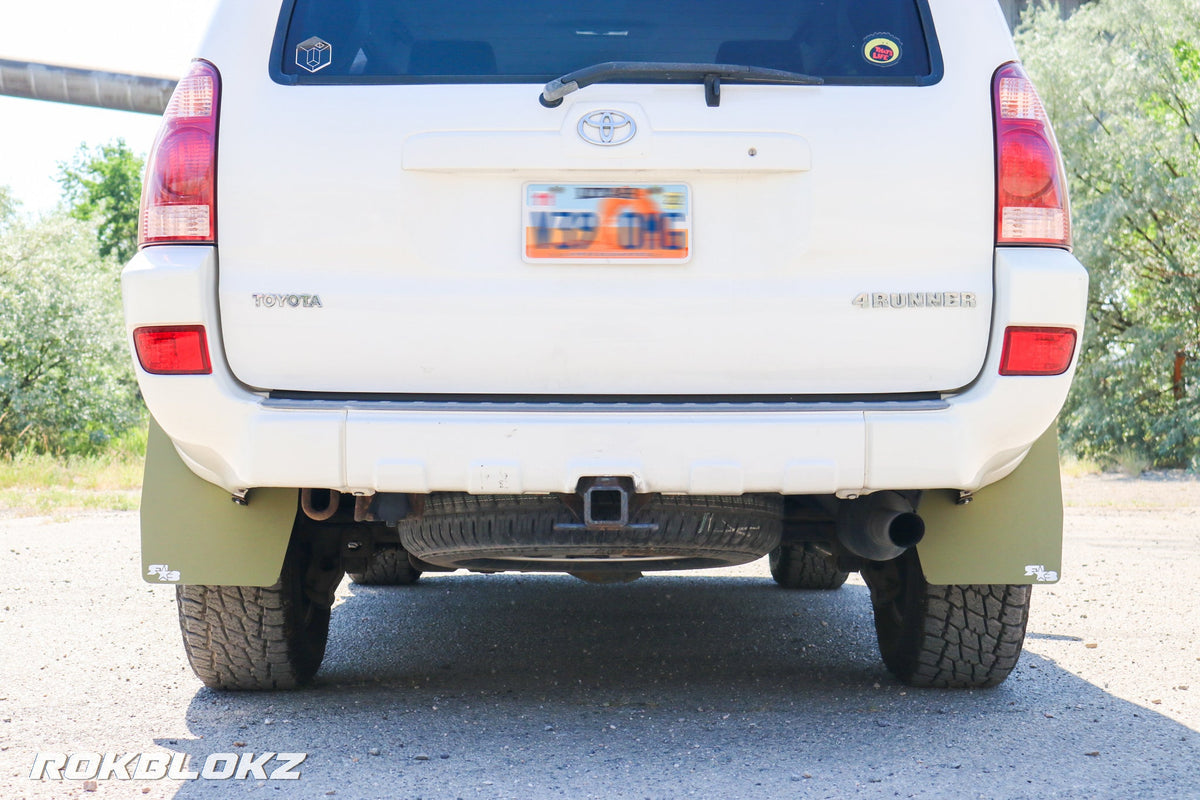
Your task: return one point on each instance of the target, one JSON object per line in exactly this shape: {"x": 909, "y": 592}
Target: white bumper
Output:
{"x": 238, "y": 438}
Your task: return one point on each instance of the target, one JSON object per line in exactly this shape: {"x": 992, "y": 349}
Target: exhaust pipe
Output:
{"x": 319, "y": 514}
{"x": 879, "y": 527}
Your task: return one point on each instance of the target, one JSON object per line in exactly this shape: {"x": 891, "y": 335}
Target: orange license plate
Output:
{"x": 570, "y": 222}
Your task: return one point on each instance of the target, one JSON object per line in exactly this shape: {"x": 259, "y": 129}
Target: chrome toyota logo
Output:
{"x": 607, "y": 128}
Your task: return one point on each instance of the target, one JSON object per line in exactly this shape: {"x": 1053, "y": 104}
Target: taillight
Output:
{"x": 179, "y": 193}
{"x": 1031, "y": 196}
{"x": 1037, "y": 351}
{"x": 173, "y": 350}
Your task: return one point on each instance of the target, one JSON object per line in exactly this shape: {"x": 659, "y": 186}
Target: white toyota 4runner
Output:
{"x": 603, "y": 289}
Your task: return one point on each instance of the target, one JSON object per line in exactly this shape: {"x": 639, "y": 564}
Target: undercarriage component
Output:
{"x": 806, "y": 565}
{"x": 319, "y": 504}
{"x": 539, "y": 533}
{"x": 605, "y": 504}
{"x": 880, "y": 526}
{"x": 390, "y": 566}
{"x": 607, "y": 577}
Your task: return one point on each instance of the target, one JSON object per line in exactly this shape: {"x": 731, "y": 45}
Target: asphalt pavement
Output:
{"x": 704, "y": 684}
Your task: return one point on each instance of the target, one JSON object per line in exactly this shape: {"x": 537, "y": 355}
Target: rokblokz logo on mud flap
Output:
{"x": 163, "y": 765}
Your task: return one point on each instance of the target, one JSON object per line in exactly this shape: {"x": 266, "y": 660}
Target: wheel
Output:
{"x": 251, "y": 637}
{"x": 540, "y": 533}
{"x": 962, "y": 636}
{"x": 389, "y": 567}
{"x": 803, "y": 566}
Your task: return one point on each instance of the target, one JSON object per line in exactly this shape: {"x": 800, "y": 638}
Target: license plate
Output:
{"x": 606, "y": 223}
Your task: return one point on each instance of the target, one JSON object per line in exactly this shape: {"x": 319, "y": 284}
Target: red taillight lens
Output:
{"x": 187, "y": 156}
{"x": 1031, "y": 197}
{"x": 1037, "y": 351}
{"x": 179, "y": 193}
{"x": 173, "y": 350}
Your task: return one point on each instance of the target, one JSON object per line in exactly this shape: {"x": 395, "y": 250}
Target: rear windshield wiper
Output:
{"x": 712, "y": 74}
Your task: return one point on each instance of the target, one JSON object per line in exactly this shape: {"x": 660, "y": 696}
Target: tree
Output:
{"x": 8, "y": 206}
{"x": 66, "y": 382}
{"x": 1121, "y": 81}
{"x": 104, "y": 185}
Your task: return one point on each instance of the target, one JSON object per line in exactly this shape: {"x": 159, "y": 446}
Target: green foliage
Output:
{"x": 104, "y": 185}
{"x": 1121, "y": 81}
{"x": 66, "y": 382}
{"x": 8, "y": 206}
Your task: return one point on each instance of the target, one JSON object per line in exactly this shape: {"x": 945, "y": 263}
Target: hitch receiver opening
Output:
{"x": 606, "y": 506}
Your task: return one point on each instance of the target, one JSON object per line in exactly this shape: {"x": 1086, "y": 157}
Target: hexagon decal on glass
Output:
{"x": 314, "y": 54}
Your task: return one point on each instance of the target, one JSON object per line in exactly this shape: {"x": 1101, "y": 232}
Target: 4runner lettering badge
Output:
{"x": 915, "y": 300}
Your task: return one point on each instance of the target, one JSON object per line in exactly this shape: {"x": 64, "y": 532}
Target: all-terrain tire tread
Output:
{"x": 388, "y": 567}
{"x": 799, "y": 566}
{"x": 236, "y": 636}
{"x": 971, "y": 638}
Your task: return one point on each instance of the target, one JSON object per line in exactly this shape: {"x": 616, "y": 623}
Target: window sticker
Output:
{"x": 881, "y": 49}
{"x": 314, "y": 54}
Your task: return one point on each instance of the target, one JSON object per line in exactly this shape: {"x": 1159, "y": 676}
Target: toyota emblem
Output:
{"x": 607, "y": 128}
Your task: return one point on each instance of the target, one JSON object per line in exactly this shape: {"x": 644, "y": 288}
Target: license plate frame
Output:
{"x": 607, "y": 223}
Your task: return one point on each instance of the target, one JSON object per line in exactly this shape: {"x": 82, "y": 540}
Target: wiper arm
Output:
{"x": 557, "y": 89}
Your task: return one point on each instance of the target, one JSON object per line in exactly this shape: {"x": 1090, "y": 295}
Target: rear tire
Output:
{"x": 961, "y": 636}
{"x": 251, "y": 637}
{"x": 802, "y": 566}
{"x": 389, "y": 567}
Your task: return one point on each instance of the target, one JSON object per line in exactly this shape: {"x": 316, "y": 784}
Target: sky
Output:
{"x": 151, "y": 37}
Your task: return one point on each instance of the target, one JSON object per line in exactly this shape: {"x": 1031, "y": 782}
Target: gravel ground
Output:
{"x": 700, "y": 685}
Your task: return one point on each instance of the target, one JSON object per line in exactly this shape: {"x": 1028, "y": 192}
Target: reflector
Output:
{"x": 1037, "y": 351}
{"x": 173, "y": 350}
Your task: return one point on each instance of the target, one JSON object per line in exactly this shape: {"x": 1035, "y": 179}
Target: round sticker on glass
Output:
{"x": 881, "y": 49}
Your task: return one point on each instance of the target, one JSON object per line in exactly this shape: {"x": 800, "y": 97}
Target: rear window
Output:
{"x": 516, "y": 41}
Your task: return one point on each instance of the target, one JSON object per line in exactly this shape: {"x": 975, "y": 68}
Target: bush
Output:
{"x": 1121, "y": 81}
{"x": 66, "y": 382}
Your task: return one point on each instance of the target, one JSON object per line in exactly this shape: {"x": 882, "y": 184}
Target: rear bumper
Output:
{"x": 239, "y": 438}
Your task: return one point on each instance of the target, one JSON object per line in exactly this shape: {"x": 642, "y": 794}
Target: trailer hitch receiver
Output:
{"x": 605, "y": 504}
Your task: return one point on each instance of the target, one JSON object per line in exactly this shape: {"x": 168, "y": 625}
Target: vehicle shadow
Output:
{"x": 543, "y": 686}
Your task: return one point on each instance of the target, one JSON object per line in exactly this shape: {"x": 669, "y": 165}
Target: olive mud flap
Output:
{"x": 1011, "y": 532}
{"x": 192, "y": 532}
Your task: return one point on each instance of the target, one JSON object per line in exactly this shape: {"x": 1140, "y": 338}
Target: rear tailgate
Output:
{"x": 837, "y": 239}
